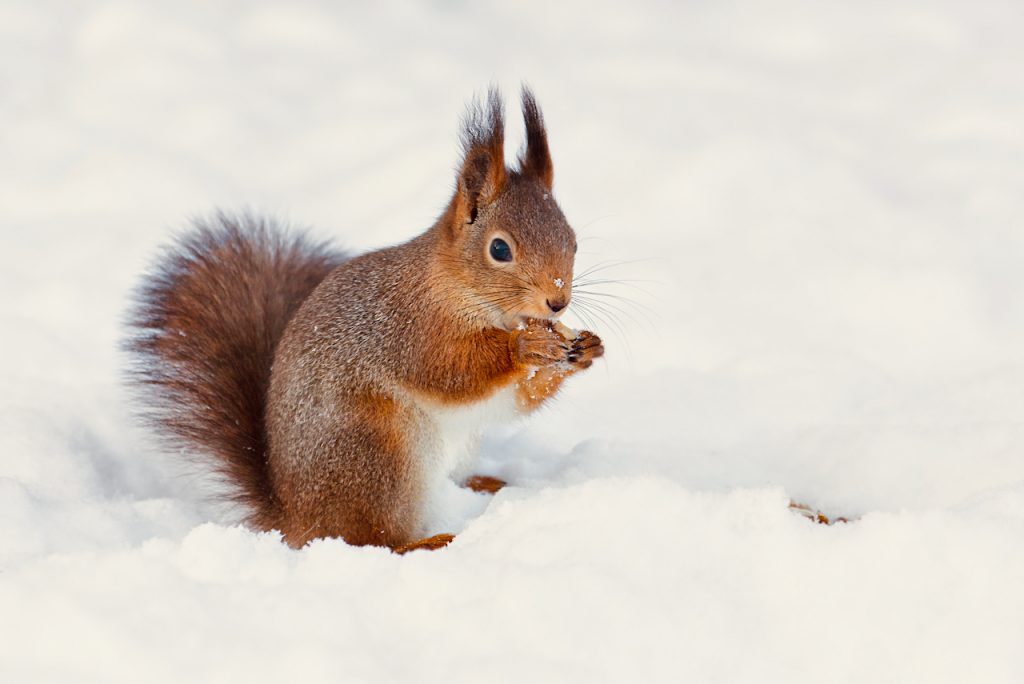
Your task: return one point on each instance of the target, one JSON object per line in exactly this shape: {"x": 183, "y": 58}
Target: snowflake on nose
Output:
{"x": 559, "y": 283}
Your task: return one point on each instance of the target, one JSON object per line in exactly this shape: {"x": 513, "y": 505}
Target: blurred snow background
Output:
{"x": 818, "y": 207}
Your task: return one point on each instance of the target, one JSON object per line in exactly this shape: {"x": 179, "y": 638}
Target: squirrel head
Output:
{"x": 505, "y": 240}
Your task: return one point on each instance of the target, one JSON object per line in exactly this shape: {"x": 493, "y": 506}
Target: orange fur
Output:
{"x": 437, "y": 541}
{"x": 484, "y": 484}
{"x": 536, "y": 388}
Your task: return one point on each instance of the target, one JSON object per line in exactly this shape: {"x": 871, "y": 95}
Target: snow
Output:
{"x": 817, "y": 212}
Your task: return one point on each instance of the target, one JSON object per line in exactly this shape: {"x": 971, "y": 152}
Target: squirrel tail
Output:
{"x": 203, "y": 331}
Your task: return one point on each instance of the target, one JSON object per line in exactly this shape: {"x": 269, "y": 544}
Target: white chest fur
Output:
{"x": 456, "y": 429}
{"x": 448, "y": 454}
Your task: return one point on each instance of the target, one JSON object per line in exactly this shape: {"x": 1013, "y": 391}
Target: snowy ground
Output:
{"x": 823, "y": 203}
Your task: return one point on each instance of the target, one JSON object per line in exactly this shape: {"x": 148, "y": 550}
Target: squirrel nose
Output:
{"x": 556, "y": 306}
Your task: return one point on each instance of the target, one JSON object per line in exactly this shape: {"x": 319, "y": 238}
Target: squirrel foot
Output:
{"x": 484, "y": 484}
{"x": 438, "y": 541}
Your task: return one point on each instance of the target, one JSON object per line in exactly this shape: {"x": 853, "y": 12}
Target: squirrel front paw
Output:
{"x": 542, "y": 343}
{"x": 585, "y": 348}
{"x": 538, "y": 344}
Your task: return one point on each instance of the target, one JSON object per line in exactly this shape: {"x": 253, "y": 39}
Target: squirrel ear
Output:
{"x": 483, "y": 175}
{"x": 535, "y": 159}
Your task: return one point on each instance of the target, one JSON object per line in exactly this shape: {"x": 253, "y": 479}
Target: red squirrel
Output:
{"x": 333, "y": 392}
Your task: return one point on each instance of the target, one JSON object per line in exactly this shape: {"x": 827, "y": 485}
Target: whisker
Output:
{"x": 638, "y": 318}
{"x": 582, "y": 314}
{"x": 608, "y": 313}
{"x": 605, "y": 265}
{"x": 592, "y": 222}
{"x": 610, "y": 295}
{"x": 625, "y": 282}
{"x": 608, "y": 321}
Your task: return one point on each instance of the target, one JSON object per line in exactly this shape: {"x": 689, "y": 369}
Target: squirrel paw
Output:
{"x": 539, "y": 345}
{"x": 484, "y": 484}
{"x": 438, "y": 541}
{"x": 585, "y": 348}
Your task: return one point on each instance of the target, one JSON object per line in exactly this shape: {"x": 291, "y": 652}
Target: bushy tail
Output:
{"x": 204, "y": 328}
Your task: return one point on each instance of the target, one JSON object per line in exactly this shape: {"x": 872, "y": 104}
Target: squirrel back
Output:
{"x": 334, "y": 393}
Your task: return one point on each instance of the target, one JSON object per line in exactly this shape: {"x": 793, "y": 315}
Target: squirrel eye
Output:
{"x": 500, "y": 251}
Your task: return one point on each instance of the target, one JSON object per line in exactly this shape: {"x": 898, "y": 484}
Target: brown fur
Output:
{"x": 206, "y": 323}
{"x": 336, "y": 439}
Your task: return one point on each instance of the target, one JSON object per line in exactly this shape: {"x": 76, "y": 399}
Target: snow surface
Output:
{"x": 818, "y": 207}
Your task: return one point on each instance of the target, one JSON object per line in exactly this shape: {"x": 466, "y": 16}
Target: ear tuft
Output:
{"x": 483, "y": 125}
{"x": 483, "y": 175}
{"x": 535, "y": 159}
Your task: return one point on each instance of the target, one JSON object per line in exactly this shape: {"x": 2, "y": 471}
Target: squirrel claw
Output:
{"x": 585, "y": 348}
{"x": 586, "y": 340}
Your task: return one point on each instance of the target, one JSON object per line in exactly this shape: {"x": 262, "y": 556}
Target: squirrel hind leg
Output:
{"x": 367, "y": 488}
